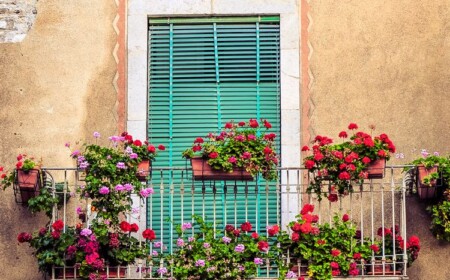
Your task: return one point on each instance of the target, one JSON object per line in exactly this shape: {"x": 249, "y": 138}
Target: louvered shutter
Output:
{"x": 203, "y": 73}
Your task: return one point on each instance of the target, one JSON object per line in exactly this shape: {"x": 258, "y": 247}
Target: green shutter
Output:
{"x": 203, "y": 73}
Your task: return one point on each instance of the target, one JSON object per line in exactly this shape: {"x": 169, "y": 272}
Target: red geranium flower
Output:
{"x": 263, "y": 246}
{"x": 149, "y": 234}
{"x": 375, "y": 248}
{"x": 125, "y": 226}
{"x": 352, "y": 126}
{"x": 273, "y": 230}
{"x": 58, "y": 225}
{"x": 241, "y": 123}
{"x": 267, "y": 124}
{"x": 307, "y": 208}
{"x": 151, "y": 149}
{"x": 134, "y": 227}
{"x": 247, "y": 226}
{"x": 305, "y": 148}
{"x": 161, "y": 147}
{"x": 343, "y": 134}
{"x": 295, "y": 236}
{"x": 335, "y": 252}
{"x": 357, "y": 256}
{"x": 137, "y": 143}
{"x": 213, "y": 155}
{"x": 345, "y": 218}
{"x": 253, "y": 123}
{"x": 309, "y": 164}
{"x": 198, "y": 140}
{"x": 255, "y": 235}
{"x": 229, "y": 228}
{"x": 56, "y": 234}
{"x": 228, "y": 125}
{"x": 24, "y": 237}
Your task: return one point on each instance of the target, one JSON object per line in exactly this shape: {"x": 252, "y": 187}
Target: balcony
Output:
{"x": 378, "y": 203}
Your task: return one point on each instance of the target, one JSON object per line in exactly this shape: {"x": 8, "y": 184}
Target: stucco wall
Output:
{"x": 55, "y": 86}
{"x": 386, "y": 63}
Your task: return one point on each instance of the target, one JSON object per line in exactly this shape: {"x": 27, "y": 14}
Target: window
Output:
{"x": 204, "y": 72}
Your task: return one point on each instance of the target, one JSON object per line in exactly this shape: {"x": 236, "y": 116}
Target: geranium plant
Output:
{"x": 24, "y": 163}
{"x": 325, "y": 250}
{"x": 111, "y": 173}
{"x": 437, "y": 166}
{"x": 343, "y": 165}
{"x": 233, "y": 253}
{"x": 242, "y": 144}
{"x": 87, "y": 249}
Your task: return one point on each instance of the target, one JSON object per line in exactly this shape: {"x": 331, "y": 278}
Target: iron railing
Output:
{"x": 378, "y": 203}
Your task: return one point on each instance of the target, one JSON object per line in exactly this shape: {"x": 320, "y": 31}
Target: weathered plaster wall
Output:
{"x": 55, "y": 86}
{"x": 386, "y": 63}
{"x": 16, "y": 19}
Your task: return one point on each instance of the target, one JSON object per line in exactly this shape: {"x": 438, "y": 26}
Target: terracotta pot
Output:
{"x": 426, "y": 191}
{"x": 376, "y": 169}
{"x": 144, "y": 170}
{"x": 114, "y": 272}
{"x": 66, "y": 272}
{"x": 202, "y": 171}
{"x": 377, "y": 269}
{"x": 29, "y": 183}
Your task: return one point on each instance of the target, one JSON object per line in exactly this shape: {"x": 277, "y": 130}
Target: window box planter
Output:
{"x": 27, "y": 184}
{"x": 202, "y": 171}
{"x": 378, "y": 268}
{"x": 144, "y": 170}
{"x": 427, "y": 191}
{"x": 376, "y": 169}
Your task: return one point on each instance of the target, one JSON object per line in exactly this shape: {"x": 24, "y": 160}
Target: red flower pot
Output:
{"x": 426, "y": 191}
{"x": 203, "y": 171}
{"x": 66, "y": 273}
{"x": 143, "y": 170}
{"x": 377, "y": 269}
{"x": 28, "y": 183}
{"x": 114, "y": 272}
{"x": 376, "y": 169}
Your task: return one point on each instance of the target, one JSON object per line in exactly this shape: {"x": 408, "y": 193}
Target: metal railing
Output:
{"x": 378, "y": 203}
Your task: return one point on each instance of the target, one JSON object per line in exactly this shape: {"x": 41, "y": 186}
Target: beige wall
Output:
{"x": 387, "y": 63}
{"x": 55, "y": 86}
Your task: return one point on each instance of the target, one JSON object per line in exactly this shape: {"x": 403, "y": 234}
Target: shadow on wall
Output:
{"x": 431, "y": 264}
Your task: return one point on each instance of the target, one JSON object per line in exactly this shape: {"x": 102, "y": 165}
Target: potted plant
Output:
{"x": 87, "y": 253}
{"x": 112, "y": 174}
{"x": 240, "y": 151}
{"x": 232, "y": 253}
{"x": 432, "y": 174}
{"x": 343, "y": 165}
{"x": 26, "y": 178}
{"x": 146, "y": 153}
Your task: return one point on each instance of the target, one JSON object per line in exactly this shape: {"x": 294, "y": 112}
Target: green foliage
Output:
{"x": 45, "y": 201}
{"x": 214, "y": 254}
{"x": 240, "y": 145}
{"x": 440, "y": 223}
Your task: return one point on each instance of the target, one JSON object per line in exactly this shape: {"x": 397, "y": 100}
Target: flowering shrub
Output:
{"x": 328, "y": 249}
{"x": 240, "y": 145}
{"x": 394, "y": 244}
{"x": 24, "y": 163}
{"x": 344, "y": 164}
{"x": 234, "y": 253}
{"x": 111, "y": 173}
{"x": 88, "y": 249}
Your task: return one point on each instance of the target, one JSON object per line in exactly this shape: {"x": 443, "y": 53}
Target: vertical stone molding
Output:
{"x": 16, "y": 19}
{"x": 119, "y": 53}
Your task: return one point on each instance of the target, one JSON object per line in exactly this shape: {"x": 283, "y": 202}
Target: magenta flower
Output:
{"x": 239, "y": 248}
{"x": 96, "y": 134}
{"x": 232, "y": 160}
{"x": 258, "y": 261}
{"x": 226, "y": 239}
{"x": 200, "y": 263}
{"x": 186, "y": 226}
{"x": 119, "y": 188}
{"x": 180, "y": 242}
{"x": 104, "y": 190}
{"x": 121, "y": 165}
{"x": 246, "y": 155}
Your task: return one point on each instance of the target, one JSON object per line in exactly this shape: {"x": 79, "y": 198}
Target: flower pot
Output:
{"x": 375, "y": 170}
{"x": 114, "y": 272}
{"x": 66, "y": 273}
{"x": 143, "y": 170}
{"x": 426, "y": 191}
{"x": 378, "y": 268}
{"x": 203, "y": 171}
{"x": 28, "y": 184}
